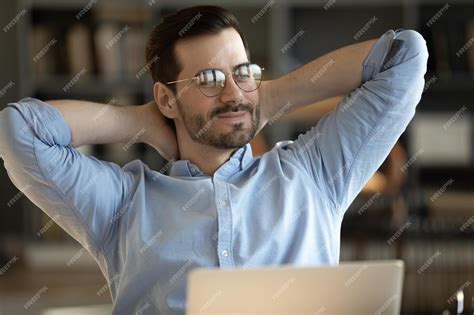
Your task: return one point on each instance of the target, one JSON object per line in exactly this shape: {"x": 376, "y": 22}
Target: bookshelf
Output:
{"x": 269, "y": 25}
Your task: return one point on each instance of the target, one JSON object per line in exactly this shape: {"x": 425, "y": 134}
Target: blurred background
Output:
{"x": 418, "y": 207}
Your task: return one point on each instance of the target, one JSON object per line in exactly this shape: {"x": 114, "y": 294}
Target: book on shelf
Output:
{"x": 111, "y": 50}
{"x": 453, "y": 48}
{"x": 42, "y": 64}
{"x": 134, "y": 52}
{"x": 79, "y": 49}
{"x": 108, "y": 58}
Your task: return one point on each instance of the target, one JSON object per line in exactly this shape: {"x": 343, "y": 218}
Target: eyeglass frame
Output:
{"x": 196, "y": 76}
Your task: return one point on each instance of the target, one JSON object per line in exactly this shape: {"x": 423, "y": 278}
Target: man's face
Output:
{"x": 204, "y": 117}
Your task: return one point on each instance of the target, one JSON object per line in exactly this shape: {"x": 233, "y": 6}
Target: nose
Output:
{"x": 231, "y": 94}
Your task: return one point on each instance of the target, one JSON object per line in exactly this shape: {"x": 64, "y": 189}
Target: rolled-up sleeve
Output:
{"x": 79, "y": 192}
{"x": 350, "y": 143}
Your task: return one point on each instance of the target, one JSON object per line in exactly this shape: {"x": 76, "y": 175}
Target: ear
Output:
{"x": 165, "y": 100}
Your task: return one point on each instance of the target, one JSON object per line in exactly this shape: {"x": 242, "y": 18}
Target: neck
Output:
{"x": 207, "y": 158}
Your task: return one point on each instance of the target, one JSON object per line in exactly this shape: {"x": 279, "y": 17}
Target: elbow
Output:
{"x": 14, "y": 131}
{"x": 408, "y": 57}
{"x": 415, "y": 51}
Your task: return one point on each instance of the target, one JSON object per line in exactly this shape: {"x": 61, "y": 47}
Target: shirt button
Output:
{"x": 225, "y": 253}
{"x": 223, "y": 203}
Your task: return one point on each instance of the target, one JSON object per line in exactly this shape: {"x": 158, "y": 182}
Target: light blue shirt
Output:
{"x": 147, "y": 230}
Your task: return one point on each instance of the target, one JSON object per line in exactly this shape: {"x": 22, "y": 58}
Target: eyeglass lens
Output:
{"x": 248, "y": 77}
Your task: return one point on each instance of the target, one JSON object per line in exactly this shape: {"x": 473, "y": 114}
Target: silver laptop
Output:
{"x": 372, "y": 287}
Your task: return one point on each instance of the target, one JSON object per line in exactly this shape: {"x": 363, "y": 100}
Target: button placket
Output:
{"x": 224, "y": 222}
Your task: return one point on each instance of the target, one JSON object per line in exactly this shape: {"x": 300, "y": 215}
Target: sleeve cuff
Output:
{"x": 373, "y": 62}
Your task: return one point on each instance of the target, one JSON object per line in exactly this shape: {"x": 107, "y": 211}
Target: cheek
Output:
{"x": 197, "y": 104}
{"x": 253, "y": 98}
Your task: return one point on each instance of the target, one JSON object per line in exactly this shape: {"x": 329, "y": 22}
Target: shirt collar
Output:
{"x": 237, "y": 162}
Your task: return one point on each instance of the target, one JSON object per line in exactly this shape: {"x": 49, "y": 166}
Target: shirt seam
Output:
{"x": 61, "y": 194}
{"x": 375, "y": 127}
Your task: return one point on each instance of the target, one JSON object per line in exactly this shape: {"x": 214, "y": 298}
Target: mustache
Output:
{"x": 234, "y": 108}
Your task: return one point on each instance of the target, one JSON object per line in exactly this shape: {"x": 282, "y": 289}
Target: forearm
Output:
{"x": 336, "y": 73}
{"x": 94, "y": 123}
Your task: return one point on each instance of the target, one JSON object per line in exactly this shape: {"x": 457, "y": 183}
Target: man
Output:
{"x": 219, "y": 206}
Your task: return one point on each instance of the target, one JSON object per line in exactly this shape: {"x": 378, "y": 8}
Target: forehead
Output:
{"x": 222, "y": 51}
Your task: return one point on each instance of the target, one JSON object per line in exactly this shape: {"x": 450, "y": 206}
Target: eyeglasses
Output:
{"x": 211, "y": 82}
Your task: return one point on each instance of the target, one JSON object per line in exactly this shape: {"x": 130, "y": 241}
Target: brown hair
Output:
{"x": 186, "y": 23}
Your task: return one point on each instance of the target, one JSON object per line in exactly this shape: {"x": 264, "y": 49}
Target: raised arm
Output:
{"x": 94, "y": 123}
{"x": 344, "y": 149}
{"x": 87, "y": 197}
{"x": 336, "y": 73}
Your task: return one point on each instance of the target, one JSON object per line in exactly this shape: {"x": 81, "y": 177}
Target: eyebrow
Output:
{"x": 233, "y": 68}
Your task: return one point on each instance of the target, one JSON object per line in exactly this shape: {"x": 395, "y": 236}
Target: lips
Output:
{"x": 232, "y": 114}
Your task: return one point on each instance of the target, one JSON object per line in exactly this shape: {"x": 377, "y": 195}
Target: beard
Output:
{"x": 203, "y": 131}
